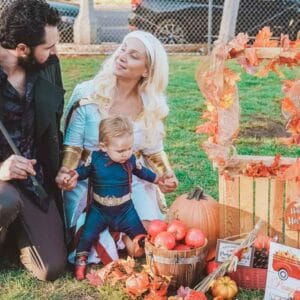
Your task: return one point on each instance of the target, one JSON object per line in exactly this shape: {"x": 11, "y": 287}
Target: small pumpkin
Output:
{"x": 224, "y": 287}
{"x": 136, "y": 284}
{"x": 197, "y": 210}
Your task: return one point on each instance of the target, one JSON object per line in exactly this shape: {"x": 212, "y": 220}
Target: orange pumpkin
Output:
{"x": 224, "y": 287}
{"x": 200, "y": 211}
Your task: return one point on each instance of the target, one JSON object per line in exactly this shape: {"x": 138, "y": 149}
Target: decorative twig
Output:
{"x": 230, "y": 264}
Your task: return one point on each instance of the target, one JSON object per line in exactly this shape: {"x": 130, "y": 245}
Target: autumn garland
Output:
{"x": 218, "y": 85}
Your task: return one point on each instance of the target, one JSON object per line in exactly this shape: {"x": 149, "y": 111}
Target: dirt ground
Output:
{"x": 263, "y": 127}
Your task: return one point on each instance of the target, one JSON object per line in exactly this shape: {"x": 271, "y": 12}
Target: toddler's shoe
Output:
{"x": 80, "y": 267}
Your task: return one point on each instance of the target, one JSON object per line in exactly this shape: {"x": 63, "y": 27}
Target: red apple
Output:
{"x": 165, "y": 240}
{"x": 177, "y": 228}
{"x": 157, "y": 226}
{"x": 194, "y": 237}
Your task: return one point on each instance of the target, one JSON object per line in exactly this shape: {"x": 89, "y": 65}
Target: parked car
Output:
{"x": 186, "y": 21}
{"x": 68, "y": 13}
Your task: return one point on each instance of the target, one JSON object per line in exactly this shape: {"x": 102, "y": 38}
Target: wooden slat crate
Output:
{"x": 244, "y": 199}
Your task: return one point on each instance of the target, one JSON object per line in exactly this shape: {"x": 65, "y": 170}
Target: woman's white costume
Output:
{"x": 83, "y": 131}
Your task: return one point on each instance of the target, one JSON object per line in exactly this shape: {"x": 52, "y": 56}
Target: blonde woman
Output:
{"x": 131, "y": 82}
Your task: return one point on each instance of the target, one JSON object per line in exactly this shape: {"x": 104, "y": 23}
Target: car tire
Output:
{"x": 283, "y": 274}
{"x": 169, "y": 32}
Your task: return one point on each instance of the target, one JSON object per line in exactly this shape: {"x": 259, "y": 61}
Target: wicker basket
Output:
{"x": 250, "y": 278}
{"x": 185, "y": 267}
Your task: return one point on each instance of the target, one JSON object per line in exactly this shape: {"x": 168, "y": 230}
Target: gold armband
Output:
{"x": 71, "y": 157}
{"x": 158, "y": 162}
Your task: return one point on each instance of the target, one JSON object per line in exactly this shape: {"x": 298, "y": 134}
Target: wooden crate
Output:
{"x": 244, "y": 199}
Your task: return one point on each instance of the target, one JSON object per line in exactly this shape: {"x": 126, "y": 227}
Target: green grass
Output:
{"x": 260, "y": 100}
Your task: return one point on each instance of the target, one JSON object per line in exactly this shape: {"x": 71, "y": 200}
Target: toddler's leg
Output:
{"x": 94, "y": 224}
{"x": 131, "y": 224}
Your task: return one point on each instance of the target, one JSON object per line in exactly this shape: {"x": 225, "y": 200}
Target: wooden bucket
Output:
{"x": 185, "y": 266}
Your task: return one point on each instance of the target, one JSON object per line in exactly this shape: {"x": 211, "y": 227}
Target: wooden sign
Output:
{"x": 292, "y": 216}
{"x": 225, "y": 249}
{"x": 283, "y": 279}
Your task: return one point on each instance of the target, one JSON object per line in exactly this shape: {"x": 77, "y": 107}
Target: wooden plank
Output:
{"x": 222, "y": 206}
{"x": 232, "y": 216}
{"x": 246, "y": 204}
{"x": 262, "y": 202}
{"x": 276, "y": 208}
{"x": 292, "y": 193}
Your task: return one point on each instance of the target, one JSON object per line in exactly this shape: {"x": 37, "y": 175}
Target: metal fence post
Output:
{"x": 209, "y": 25}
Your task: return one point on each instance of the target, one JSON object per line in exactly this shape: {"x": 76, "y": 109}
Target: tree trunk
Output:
{"x": 86, "y": 28}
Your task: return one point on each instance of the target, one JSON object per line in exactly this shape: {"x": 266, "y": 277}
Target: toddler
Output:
{"x": 110, "y": 170}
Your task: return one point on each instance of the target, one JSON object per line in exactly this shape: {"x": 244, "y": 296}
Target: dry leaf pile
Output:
{"x": 135, "y": 284}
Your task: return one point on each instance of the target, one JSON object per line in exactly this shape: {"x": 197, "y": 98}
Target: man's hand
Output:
{"x": 66, "y": 179}
{"x": 16, "y": 167}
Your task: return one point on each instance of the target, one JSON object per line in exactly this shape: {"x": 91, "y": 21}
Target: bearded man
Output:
{"x": 31, "y": 104}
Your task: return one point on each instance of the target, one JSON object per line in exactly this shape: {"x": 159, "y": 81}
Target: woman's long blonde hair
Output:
{"x": 153, "y": 87}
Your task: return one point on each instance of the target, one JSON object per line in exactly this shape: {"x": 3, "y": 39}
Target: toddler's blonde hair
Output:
{"x": 116, "y": 126}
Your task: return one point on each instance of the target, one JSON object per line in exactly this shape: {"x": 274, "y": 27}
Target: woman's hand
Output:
{"x": 169, "y": 183}
{"x": 66, "y": 179}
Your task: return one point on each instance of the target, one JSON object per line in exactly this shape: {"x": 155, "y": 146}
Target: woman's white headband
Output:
{"x": 146, "y": 39}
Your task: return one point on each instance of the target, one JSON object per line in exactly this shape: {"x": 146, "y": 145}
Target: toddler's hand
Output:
{"x": 66, "y": 180}
{"x": 168, "y": 183}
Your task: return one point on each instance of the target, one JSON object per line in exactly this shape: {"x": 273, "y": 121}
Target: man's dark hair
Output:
{"x": 24, "y": 21}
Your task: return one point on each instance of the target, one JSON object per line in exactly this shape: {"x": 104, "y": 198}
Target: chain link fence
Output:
{"x": 178, "y": 21}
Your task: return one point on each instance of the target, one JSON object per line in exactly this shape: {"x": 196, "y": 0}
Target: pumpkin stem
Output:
{"x": 196, "y": 194}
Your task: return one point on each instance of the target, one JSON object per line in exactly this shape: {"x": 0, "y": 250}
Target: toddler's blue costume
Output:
{"x": 112, "y": 205}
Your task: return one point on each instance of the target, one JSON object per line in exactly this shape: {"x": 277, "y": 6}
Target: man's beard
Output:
{"x": 29, "y": 63}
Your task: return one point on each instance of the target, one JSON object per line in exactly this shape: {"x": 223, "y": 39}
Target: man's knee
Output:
{"x": 52, "y": 271}
{"x": 10, "y": 204}
{"x": 46, "y": 270}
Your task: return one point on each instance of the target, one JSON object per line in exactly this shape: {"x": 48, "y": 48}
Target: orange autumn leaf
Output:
{"x": 248, "y": 67}
{"x": 289, "y": 141}
{"x": 288, "y": 61}
{"x": 284, "y": 41}
{"x": 207, "y": 128}
{"x": 263, "y": 38}
{"x": 239, "y": 43}
{"x": 287, "y": 85}
{"x": 270, "y": 66}
{"x": 152, "y": 296}
{"x": 251, "y": 57}
{"x": 292, "y": 173}
{"x": 257, "y": 170}
{"x": 295, "y": 44}
{"x": 231, "y": 77}
{"x": 293, "y": 125}
{"x": 288, "y": 106}
{"x": 262, "y": 170}
{"x": 94, "y": 279}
